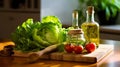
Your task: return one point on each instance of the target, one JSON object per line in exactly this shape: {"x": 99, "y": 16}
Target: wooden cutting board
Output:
{"x": 102, "y": 51}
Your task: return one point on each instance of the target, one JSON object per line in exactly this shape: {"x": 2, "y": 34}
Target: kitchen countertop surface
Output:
{"x": 112, "y": 60}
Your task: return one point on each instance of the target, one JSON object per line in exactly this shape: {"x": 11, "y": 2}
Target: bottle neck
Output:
{"x": 75, "y": 20}
{"x": 90, "y": 16}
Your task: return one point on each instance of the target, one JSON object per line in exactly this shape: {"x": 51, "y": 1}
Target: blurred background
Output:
{"x": 15, "y": 12}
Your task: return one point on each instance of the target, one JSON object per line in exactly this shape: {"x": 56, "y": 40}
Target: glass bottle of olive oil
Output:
{"x": 75, "y": 35}
{"x": 90, "y": 27}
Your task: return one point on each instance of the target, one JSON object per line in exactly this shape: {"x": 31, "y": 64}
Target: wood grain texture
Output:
{"x": 102, "y": 51}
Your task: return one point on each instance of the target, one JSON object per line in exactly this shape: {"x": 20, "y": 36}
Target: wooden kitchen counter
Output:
{"x": 112, "y": 60}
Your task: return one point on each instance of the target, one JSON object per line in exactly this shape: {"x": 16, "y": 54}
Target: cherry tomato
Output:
{"x": 69, "y": 48}
{"x": 78, "y": 49}
{"x": 90, "y": 47}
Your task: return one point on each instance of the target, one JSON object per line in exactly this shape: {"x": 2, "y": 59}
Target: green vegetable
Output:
{"x": 38, "y": 38}
{"x": 49, "y": 32}
{"x": 52, "y": 19}
{"x": 35, "y": 36}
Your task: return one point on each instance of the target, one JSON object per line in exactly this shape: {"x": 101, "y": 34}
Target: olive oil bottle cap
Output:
{"x": 75, "y": 13}
{"x": 90, "y": 9}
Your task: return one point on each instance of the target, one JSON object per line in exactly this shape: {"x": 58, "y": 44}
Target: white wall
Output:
{"x": 60, "y": 8}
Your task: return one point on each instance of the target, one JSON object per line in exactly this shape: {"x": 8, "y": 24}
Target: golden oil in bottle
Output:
{"x": 90, "y": 27}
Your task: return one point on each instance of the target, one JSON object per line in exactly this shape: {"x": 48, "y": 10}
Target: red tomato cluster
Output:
{"x": 89, "y": 47}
